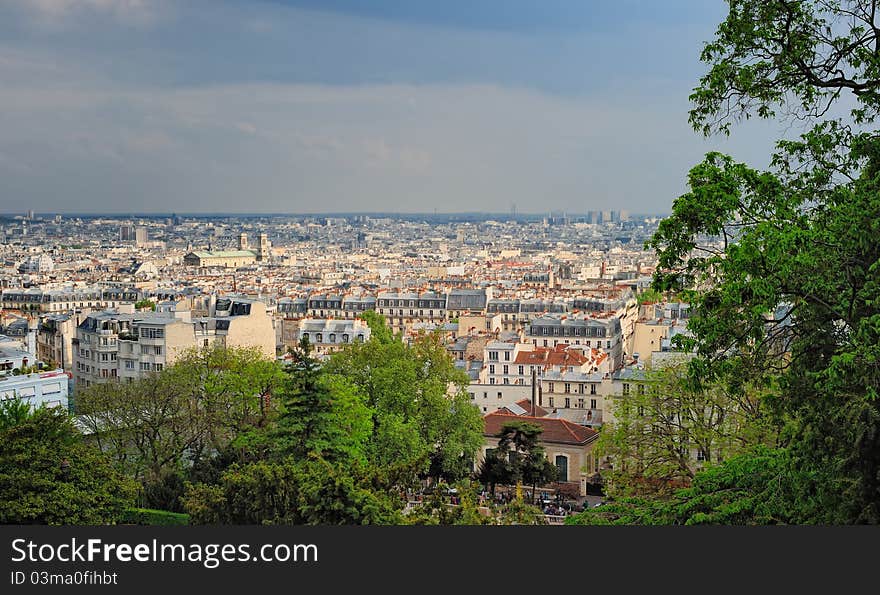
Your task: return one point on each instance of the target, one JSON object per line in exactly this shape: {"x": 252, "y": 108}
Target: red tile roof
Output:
{"x": 549, "y": 356}
{"x": 527, "y": 405}
{"x": 555, "y": 430}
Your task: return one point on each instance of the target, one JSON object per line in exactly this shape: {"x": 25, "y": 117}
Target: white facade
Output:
{"x": 45, "y": 389}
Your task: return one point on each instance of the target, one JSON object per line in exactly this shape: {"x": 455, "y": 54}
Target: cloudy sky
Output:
{"x": 300, "y": 106}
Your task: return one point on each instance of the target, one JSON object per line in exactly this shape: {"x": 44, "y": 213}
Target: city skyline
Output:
{"x": 304, "y": 107}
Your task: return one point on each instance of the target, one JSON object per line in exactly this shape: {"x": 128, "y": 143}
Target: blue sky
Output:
{"x": 348, "y": 105}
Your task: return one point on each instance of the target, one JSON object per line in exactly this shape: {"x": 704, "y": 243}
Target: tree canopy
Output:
{"x": 48, "y": 475}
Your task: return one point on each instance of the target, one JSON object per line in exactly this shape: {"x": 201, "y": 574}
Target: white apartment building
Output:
{"x": 327, "y": 336}
{"x": 43, "y": 389}
{"x": 110, "y": 345}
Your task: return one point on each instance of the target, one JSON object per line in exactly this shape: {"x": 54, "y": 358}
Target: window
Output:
{"x": 592, "y": 403}
{"x": 550, "y": 387}
{"x": 506, "y": 380}
{"x": 129, "y": 365}
{"x": 473, "y": 396}
{"x": 506, "y": 368}
{"x": 592, "y": 389}
{"x": 158, "y": 367}
{"x": 499, "y": 394}
{"x": 105, "y": 357}
{"x": 567, "y": 402}
{"x": 562, "y": 468}
{"x": 333, "y": 337}
{"x": 206, "y": 342}
{"x": 485, "y": 395}
{"x": 492, "y": 380}
{"x": 157, "y": 350}
{"x": 641, "y": 389}
{"x": 568, "y": 387}
{"x": 507, "y": 356}
{"x": 550, "y": 401}
{"x": 492, "y": 368}
{"x": 493, "y": 356}
{"x": 625, "y": 388}
{"x": 641, "y": 410}
{"x": 580, "y": 403}
{"x": 145, "y": 367}
{"x": 319, "y": 337}
{"x": 520, "y": 371}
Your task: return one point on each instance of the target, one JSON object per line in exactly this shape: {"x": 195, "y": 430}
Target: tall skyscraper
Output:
{"x": 140, "y": 236}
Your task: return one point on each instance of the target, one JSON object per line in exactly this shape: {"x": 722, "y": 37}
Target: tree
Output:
{"x": 49, "y": 475}
{"x": 324, "y": 414}
{"x": 779, "y": 265}
{"x": 518, "y": 458}
{"x": 13, "y": 412}
{"x": 290, "y": 492}
{"x": 145, "y": 304}
{"x": 206, "y": 403}
{"x": 751, "y": 488}
{"x": 261, "y": 493}
{"x": 665, "y": 424}
{"x": 148, "y": 426}
{"x": 234, "y": 385}
{"x": 797, "y": 56}
{"x": 421, "y": 413}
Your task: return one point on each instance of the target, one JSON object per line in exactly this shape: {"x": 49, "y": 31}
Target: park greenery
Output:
{"x": 224, "y": 435}
{"x": 782, "y": 271}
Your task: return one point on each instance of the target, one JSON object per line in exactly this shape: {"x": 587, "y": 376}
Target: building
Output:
{"x": 43, "y": 389}
{"x": 601, "y": 333}
{"x": 402, "y": 310}
{"x": 244, "y": 256}
{"x": 327, "y": 336}
{"x": 222, "y": 258}
{"x": 55, "y": 336}
{"x": 141, "y": 237}
{"x": 567, "y": 445}
{"x": 68, "y": 299}
{"x": 37, "y": 264}
{"x": 111, "y": 345}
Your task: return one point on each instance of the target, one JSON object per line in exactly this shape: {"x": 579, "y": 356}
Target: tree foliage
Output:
{"x": 791, "y": 56}
{"x": 660, "y": 427}
{"x": 48, "y": 475}
{"x": 781, "y": 266}
{"x": 422, "y": 418}
{"x": 518, "y": 458}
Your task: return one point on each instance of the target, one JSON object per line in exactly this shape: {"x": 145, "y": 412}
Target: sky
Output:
{"x": 304, "y": 106}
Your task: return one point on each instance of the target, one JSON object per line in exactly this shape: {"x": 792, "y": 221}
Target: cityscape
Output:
{"x": 104, "y": 299}
{"x": 296, "y": 263}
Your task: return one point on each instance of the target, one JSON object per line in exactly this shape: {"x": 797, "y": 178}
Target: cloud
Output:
{"x": 62, "y": 13}
{"x": 317, "y": 148}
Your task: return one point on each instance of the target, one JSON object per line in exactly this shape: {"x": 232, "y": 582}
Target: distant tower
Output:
{"x": 140, "y": 236}
{"x": 263, "y": 252}
{"x": 242, "y": 241}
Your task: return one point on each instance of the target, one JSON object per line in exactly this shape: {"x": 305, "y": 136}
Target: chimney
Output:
{"x": 534, "y": 392}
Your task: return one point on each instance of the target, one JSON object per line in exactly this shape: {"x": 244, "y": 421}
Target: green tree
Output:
{"x": 518, "y": 458}
{"x": 145, "y": 304}
{"x": 13, "y": 412}
{"x": 291, "y": 492}
{"x": 780, "y": 266}
{"x": 421, "y": 413}
{"x": 324, "y": 414}
{"x": 752, "y": 488}
{"x": 234, "y": 385}
{"x": 49, "y": 475}
{"x": 662, "y": 424}
{"x": 149, "y": 426}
